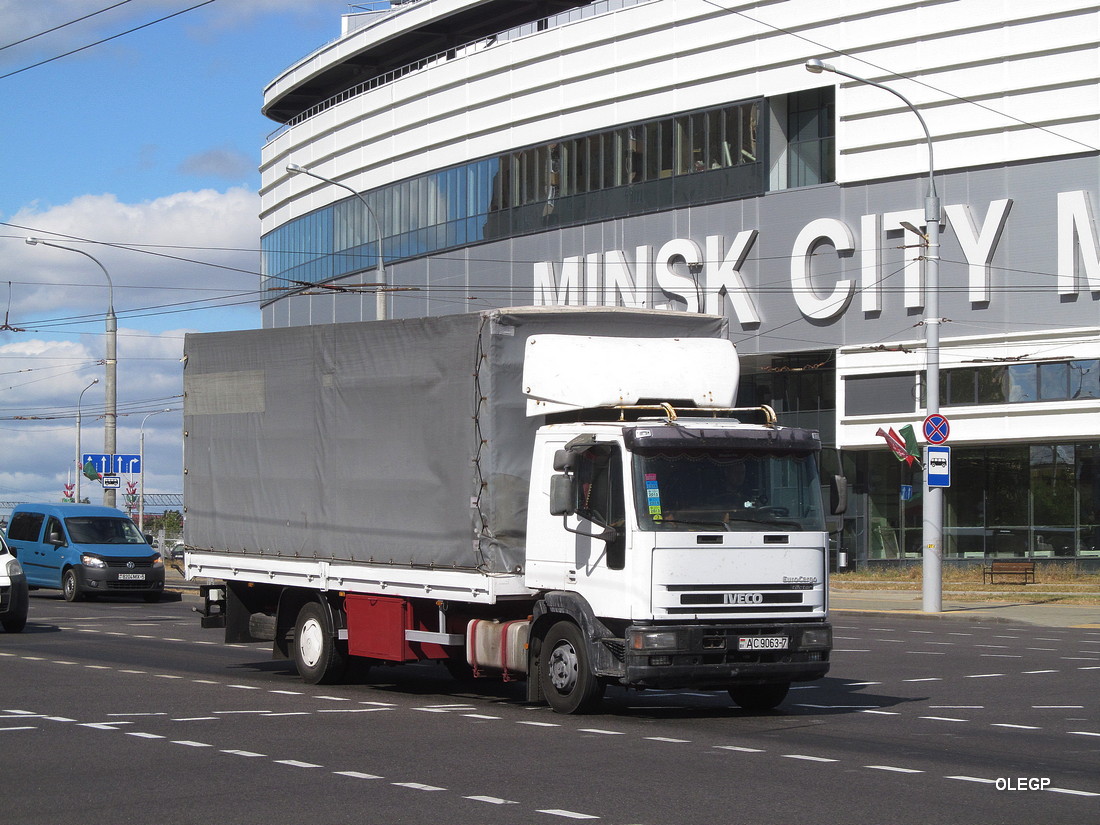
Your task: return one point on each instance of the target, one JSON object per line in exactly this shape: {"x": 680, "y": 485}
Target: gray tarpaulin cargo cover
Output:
{"x": 397, "y": 442}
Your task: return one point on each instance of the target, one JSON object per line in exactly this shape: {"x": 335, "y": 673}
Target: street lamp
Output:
{"x": 141, "y": 463}
{"x": 932, "y": 533}
{"x": 79, "y": 455}
{"x": 380, "y": 295}
{"x": 110, "y": 421}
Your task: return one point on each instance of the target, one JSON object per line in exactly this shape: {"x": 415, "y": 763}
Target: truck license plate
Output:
{"x": 131, "y": 576}
{"x": 762, "y": 643}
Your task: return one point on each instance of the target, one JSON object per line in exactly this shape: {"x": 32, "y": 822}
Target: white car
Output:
{"x": 13, "y": 591}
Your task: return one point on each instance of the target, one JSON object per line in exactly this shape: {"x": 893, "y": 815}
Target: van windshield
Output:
{"x": 103, "y": 530}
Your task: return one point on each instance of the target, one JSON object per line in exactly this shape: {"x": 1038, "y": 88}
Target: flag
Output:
{"x": 911, "y": 446}
{"x": 894, "y": 442}
{"x": 90, "y": 472}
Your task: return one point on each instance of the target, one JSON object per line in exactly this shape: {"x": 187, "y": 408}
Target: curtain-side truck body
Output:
{"x": 560, "y": 495}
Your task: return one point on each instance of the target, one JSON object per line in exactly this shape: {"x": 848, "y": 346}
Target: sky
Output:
{"x": 142, "y": 152}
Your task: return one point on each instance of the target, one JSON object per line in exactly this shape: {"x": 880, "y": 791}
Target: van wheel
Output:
{"x": 760, "y": 697}
{"x": 320, "y": 661}
{"x": 565, "y": 674}
{"x": 70, "y": 588}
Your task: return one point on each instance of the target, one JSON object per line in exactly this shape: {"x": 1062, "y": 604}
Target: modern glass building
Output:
{"x": 677, "y": 154}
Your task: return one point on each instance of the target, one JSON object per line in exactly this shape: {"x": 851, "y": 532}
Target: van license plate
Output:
{"x": 762, "y": 643}
{"x": 131, "y": 576}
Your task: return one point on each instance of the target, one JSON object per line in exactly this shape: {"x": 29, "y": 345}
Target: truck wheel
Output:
{"x": 70, "y": 588}
{"x": 319, "y": 660}
{"x": 760, "y": 697}
{"x": 567, "y": 680}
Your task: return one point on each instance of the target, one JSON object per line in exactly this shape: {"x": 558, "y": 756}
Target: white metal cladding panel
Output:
{"x": 1024, "y": 63}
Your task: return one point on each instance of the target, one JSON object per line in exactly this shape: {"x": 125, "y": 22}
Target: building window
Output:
{"x": 701, "y": 157}
{"x": 1020, "y": 383}
{"x": 875, "y": 394}
{"x": 811, "y": 143}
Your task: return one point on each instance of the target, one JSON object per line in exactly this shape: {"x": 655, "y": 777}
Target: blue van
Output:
{"x": 84, "y": 550}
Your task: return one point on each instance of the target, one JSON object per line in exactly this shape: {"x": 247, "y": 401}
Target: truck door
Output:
{"x": 600, "y": 564}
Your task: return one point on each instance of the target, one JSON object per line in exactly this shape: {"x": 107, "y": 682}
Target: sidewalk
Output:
{"x": 1037, "y": 609}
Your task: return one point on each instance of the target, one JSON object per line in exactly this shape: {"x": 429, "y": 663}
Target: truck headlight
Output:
{"x": 817, "y": 637}
{"x": 654, "y": 640}
{"x": 88, "y": 560}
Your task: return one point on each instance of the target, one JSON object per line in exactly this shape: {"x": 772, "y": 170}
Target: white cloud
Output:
{"x": 60, "y": 298}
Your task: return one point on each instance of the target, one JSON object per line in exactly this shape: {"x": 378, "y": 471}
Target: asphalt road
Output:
{"x": 118, "y": 712}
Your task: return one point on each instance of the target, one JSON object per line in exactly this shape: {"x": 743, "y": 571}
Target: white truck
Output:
{"x": 563, "y": 496}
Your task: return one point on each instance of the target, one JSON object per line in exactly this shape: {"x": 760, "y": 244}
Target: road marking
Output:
{"x": 356, "y": 775}
{"x": 294, "y": 763}
{"x": 882, "y": 712}
{"x": 22, "y": 727}
{"x": 287, "y": 692}
{"x": 1030, "y": 672}
{"x": 467, "y": 715}
{"x": 194, "y": 719}
{"x": 541, "y": 724}
{"x": 143, "y": 735}
{"x": 1075, "y": 793}
{"x": 417, "y": 786}
{"x": 808, "y": 758}
{"x": 668, "y": 739}
{"x": 567, "y": 814}
{"x": 243, "y": 687}
{"x": 1016, "y": 727}
{"x": 190, "y": 744}
{"x": 492, "y": 800}
{"x": 1057, "y": 707}
{"x": 250, "y": 754}
{"x": 973, "y": 779}
{"x": 944, "y": 719}
{"x": 925, "y": 679}
{"x": 1083, "y": 733}
{"x": 892, "y": 768}
{"x": 860, "y": 684}
{"x": 739, "y": 749}
{"x": 983, "y": 675}
{"x": 333, "y": 698}
{"x": 602, "y": 732}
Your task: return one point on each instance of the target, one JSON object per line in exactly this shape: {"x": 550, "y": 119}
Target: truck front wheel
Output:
{"x": 760, "y": 697}
{"x": 565, "y": 674}
{"x": 316, "y": 654}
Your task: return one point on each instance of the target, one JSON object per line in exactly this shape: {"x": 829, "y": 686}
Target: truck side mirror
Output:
{"x": 838, "y": 495}
{"x": 562, "y": 496}
{"x": 564, "y": 461}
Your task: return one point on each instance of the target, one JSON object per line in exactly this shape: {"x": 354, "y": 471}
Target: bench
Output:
{"x": 1023, "y": 570}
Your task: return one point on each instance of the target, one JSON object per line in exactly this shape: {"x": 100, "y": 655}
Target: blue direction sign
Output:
{"x": 101, "y": 462}
{"x": 939, "y": 466}
{"x": 936, "y": 429}
{"x": 107, "y": 464}
{"x": 126, "y": 463}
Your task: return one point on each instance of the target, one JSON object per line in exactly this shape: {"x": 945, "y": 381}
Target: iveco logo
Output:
{"x": 744, "y": 598}
{"x": 130, "y": 564}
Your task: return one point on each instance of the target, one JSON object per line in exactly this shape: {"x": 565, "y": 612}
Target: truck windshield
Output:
{"x": 737, "y": 490}
{"x": 104, "y": 530}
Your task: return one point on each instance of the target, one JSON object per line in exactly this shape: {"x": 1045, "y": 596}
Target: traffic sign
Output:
{"x": 936, "y": 429}
{"x": 101, "y": 462}
{"x": 112, "y": 482}
{"x": 939, "y": 466}
{"x": 127, "y": 463}
{"x": 120, "y": 463}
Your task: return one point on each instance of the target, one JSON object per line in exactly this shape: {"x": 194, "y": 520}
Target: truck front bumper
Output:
{"x": 718, "y": 657}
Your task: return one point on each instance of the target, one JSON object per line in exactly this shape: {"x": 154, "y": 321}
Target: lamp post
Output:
{"x": 932, "y": 531}
{"x": 110, "y": 421}
{"x": 79, "y": 455}
{"x": 380, "y": 295}
{"x": 141, "y": 463}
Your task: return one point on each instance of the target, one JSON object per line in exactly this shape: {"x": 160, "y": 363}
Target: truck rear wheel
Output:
{"x": 319, "y": 659}
{"x": 760, "y": 697}
{"x": 565, "y": 674}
